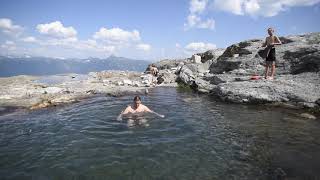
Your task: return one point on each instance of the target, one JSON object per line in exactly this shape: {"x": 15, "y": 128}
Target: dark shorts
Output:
{"x": 271, "y": 55}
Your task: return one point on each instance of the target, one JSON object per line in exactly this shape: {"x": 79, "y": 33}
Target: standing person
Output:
{"x": 270, "y": 43}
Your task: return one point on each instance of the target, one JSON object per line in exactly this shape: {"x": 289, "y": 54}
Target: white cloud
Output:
{"x": 194, "y": 19}
{"x": 6, "y": 26}
{"x": 199, "y": 46}
{"x": 58, "y": 40}
{"x": 252, "y": 7}
{"x": 144, "y": 47}
{"x": 259, "y": 7}
{"x": 9, "y": 46}
{"x": 197, "y": 6}
{"x": 57, "y": 30}
{"x": 107, "y": 49}
{"x": 208, "y": 24}
{"x": 233, "y": 6}
{"x": 116, "y": 35}
{"x": 29, "y": 39}
{"x": 10, "y": 43}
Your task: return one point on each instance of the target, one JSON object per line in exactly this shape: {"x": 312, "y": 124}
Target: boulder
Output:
{"x": 196, "y": 59}
{"x": 211, "y": 54}
{"x": 186, "y": 75}
{"x": 203, "y": 86}
{"x": 166, "y": 77}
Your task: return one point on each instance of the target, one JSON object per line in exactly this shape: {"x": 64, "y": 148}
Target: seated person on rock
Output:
{"x": 154, "y": 70}
{"x": 149, "y": 69}
{"x": 137, "y": 107}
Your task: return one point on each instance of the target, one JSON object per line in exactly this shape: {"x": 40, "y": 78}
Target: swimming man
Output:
{"x": 137, "y": 107}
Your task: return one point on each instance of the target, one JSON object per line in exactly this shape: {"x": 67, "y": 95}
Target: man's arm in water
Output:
{"x": 149, "y": 110}
{"x": 126, "y": 111}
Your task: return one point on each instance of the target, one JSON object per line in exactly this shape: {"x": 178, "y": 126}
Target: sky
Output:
{"x": 144, "y": 29}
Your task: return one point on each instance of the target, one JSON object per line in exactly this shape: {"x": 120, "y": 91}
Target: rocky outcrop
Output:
{"x": 38, "y": 92}
{"x": 168, "y": 64}
{"x": 236, "y": 75}
{"x": 195, "y": 74}
{"x": 166, "y": 76}
{"x": 299, "y": 90}
{"x": 211, "y": 54}
{"x": 297, "y": 73}
{"x": 297, "y": 54}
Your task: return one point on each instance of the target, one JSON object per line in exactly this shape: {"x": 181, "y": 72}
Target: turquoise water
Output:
{"x": 199, "y": 138}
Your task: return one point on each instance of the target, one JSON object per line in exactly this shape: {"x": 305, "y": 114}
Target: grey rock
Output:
{"x": 168, "y": 64}
{"x": 297, "y": 54}
{"x": 299, "y": 89}
{"x": 203, "y": 85}
{"x": 166, "y": 77}
{"x": 186, "y": 75}
{"x": 26, "y": 91}
{"x": 211, "y": 54}
{"x": 304, "y": 59}
{"x": 308, "y": 116}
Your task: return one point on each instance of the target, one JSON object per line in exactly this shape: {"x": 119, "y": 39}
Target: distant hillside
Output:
{"x": 47, "y": 66}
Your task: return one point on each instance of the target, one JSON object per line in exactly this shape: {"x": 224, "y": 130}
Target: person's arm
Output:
{"x": 149, "y": 110}
{"x": 277, "y": 41}
{"x": 126, "y": 111}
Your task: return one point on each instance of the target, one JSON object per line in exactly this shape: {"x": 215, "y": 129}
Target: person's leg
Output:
{"x": 267, "y": 70}
{"x": 272, "y": 57}
{"x": 273, "y": 69}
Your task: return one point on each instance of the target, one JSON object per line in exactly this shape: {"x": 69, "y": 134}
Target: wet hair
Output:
{"x": 137, "y": 98}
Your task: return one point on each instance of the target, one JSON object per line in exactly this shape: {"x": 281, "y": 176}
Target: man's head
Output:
{"x": 137, "y": 101}
{"x": 270, "y": 31}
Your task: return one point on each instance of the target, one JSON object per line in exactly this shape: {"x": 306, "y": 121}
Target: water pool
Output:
{"x": 199, "y": 138}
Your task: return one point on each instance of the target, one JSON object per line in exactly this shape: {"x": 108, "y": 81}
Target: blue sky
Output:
{"x": 145, "y": 29}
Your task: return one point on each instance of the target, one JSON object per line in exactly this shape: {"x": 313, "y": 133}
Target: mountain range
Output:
{"x": 12, "y": 66}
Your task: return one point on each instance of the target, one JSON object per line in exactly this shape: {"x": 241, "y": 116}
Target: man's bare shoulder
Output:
{"x": 128, "y": 108}
{"x": 145, "y": 108}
